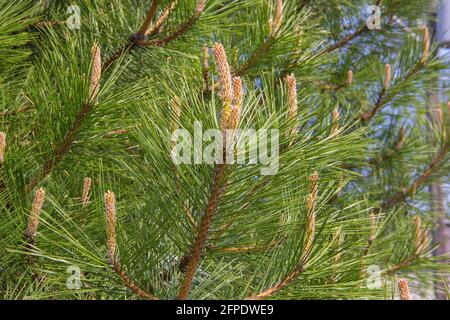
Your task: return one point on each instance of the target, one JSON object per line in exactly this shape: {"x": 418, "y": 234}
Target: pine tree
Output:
{"x": 93, "y": 206}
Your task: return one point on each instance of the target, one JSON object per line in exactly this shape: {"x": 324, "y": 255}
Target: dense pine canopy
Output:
{"x": 92, "y": 205}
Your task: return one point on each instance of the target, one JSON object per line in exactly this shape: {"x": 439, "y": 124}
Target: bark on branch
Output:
{"x": 199, "y": 244}
{"x": 401, "y": 196}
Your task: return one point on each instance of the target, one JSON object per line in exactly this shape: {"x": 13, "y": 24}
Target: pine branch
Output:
{"x": 274, "y": 30}
{"x": 420, "y": 248}
{"x": 180, "y": 30}
{"x": 386, "y": 154}
{"x": 307, "y": 243}
{"x": 383, "y": 99}
{"x": 110, "y": 205}
{"x": 143, "y": 30}
{"x": 231, "y": 96}
{"x": 292, "y": 116}
{"x": 133, "y": 286}
{"x": 130, "y": 45}
{"x": 263, "y": 49}
{"x": 256, "y": 56}
{"x": 344, "y": 41}
{"x": 87, "y": 107}
{"x": 61, "y": 151}
{"x": 419, "y": 182}
{"x": 401, "y": 265}
{"x": 199, "y": 244}
{"x": 213, "y": 237}
{"x": 401, "y": 196}
{"x": 391, "y": 152}
{"x": 68, "y": 140}
{"x": 337, "y": 45}
{"x": 273, "y": 290}
{"x": 139, "y": 39}
{"x": 162, "y": 18}
{"x": 341, "y": 43}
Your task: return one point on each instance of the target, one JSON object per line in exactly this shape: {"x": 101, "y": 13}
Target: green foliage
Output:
{"x": 380, "y": 166}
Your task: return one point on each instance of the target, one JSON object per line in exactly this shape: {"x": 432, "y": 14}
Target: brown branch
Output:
{"x": 383, "y": 98}
{"x": 148, "y": 18}
{"x": 402, "y": 264}
{"x": 70, "y": 136}
{"x": 271, "y": 291}
{"x": 255, "y": 57}
{"x": 141, "y": 33}
{"x": 111, "y": 244}
{"x": 231, "y": 100}
{"x": 62, "y": 149}
{"x": 133, "y": 286}
{"x": 162, "y": 18}
{"x": 292, "y": 112}
{"x": 409, "y": 191}
{"x": 274, "y": 29}
{"x": 139, "y": 39}
{"x": 199, "y": 244}
{"x": 420, "y": 236}
{"x": 180, "y": 30}
{"x": 420, "y": 247}
{"x": 117, "y": 54}
{"x": 381, "y": 101}
{"x": 341, "y": 43}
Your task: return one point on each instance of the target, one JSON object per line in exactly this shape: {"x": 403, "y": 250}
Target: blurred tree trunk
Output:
{"x": 442, "y": 233}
